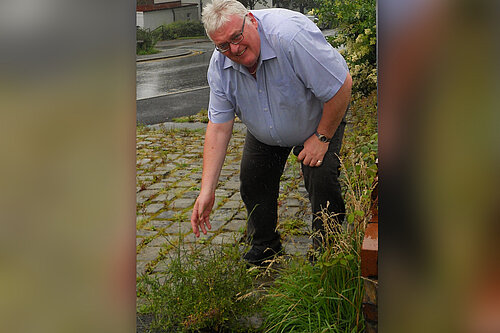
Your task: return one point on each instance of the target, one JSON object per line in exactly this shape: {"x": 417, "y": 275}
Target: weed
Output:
{"x": 292, "y": 226}
{"x": 201, "y": 117}
{"x": 323, "y": 297}
{"x": 203, "y": 288}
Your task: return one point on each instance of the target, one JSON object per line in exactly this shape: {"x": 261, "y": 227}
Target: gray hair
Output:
{"x": 218, "y": 13}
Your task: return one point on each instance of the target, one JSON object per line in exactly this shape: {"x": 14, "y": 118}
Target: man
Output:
{"x": 274, "y": 69}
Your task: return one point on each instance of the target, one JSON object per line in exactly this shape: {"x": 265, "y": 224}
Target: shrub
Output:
{"x": 148, "y": 40}
{"x": 356, "y": 38}
{"x": 181, "y": 29}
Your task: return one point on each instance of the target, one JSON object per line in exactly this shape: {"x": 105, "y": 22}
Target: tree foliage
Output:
{"x": 250, "y": 4}
{"x": 299, "y": 5}
{"x": 356, "y": 38}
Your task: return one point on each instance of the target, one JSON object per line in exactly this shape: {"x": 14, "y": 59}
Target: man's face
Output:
{"x": 247, "y": 51}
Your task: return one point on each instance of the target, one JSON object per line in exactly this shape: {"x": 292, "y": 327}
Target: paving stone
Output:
{"x": 158, "y": 186}
{"x": 163, "y": 197}
{"x": 153, "y": 208}
{"x": 226, "y": 238}
{"x": 167, "y": 214}
{"x": 226, "y": 172}
{"x": 222, "y": 215}
{"x": 145, "y": 178}
{"x": 290, "y": 211}
{"x": 223, "y": 193}
{"x": 232, "y": 185}
{"x": 236, "y": 196}
{"x": 159, "y": 241}
{"x": 293, "y": 202}
{"x": 186, "y": 184}
{"x": 173, "y": 157}
{"x": 145, "y": 233}
{"x": 182, "y": 203}
{"x": 144, "y": 161}
{"x": 176, "y": 227}
{"x": 235, "y": 225}
{"x": 165, "y": 168}
{"x": 140, "y": 267}
{"x": 296, "y": 249}
{"x": 232, "y": 204}
{"x": 148, "y": 253}
{"x": 216, "y": 223}
{"x": 146, "y": 193}
{"x": 162, "y": 266}
{"x": 191, "y": 238}
{"x": 141, "y": 218}
{"x": 191, "y": 194}
{"x": 241, "y": 214}
{"x": 159, "y": 224}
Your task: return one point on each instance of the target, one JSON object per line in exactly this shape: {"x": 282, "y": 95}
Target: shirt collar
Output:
{"x": 266, "y": 52}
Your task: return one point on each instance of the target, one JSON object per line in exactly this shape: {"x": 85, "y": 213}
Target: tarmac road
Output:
{"x": 174, "y": 82}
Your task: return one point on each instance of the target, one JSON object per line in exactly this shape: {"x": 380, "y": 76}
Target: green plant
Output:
{"x": 146, "y": 41}
{"x": 201, "y": 117}
{"x": 356, "y": 38}
{"x": 323, "y": 297}
{"x": 179, "y": 29}
{"x": 358, "y": 157}
{"x": 292, "y": 226}
{"x": 204, "y": 288}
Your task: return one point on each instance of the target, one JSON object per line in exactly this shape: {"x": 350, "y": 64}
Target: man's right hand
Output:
{"x": 201, "y": 212}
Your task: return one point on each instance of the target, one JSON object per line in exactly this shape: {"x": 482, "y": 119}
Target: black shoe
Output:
{"x": 259, "y": 254}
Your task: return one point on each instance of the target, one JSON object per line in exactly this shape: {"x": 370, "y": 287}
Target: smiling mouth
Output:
{"x": 239, "y": 54}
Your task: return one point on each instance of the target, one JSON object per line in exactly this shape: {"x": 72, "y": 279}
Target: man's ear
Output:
{"x": 253, "y": 20}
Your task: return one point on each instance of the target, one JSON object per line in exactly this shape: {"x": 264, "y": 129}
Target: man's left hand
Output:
{"x": 313, "y": 153}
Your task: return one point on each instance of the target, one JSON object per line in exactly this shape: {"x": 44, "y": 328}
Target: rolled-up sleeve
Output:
{"x": 318, "y": 65}
{"x": 220, "y": 109}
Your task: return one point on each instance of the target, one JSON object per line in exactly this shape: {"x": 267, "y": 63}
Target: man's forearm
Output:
{"x": 334, "y": 109}
{"x": 214, "y": 152}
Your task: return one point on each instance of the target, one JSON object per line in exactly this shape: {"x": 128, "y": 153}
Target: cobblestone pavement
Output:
{"x": 169, "y": 168}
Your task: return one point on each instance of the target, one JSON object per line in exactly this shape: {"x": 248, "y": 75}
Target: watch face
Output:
{"x": 323, "y": 138}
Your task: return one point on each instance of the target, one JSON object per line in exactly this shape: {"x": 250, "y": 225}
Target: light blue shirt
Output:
{"x": 298, "y": 70}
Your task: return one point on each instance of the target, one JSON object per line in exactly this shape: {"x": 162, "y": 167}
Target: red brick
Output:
{"x": 369, "y": 251}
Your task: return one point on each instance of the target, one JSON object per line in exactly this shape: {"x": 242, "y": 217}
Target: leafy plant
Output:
{"x": 356, "y": 38}
{"x": 292, "y": 226}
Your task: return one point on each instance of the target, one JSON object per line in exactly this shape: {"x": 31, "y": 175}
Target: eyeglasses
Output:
{"x": 224, "y": 47}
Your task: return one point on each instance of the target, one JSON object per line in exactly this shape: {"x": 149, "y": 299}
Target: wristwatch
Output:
{"x": 322, "y": 138}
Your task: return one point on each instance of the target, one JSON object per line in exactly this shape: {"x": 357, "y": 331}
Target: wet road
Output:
{"x": 173, "y": 87}
{"x": 160, "y": 77}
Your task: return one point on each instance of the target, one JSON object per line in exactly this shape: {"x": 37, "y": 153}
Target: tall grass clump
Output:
{"x": 202, "y": 289}
{"x": 324, "y": 297}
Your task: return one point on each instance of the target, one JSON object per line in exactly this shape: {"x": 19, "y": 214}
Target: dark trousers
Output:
{"x": 261, "y": 169}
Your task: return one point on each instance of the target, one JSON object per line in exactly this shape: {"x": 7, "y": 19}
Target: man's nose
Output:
{"x": 234, "y": 48}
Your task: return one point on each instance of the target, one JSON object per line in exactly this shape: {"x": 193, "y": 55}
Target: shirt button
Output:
{"x": 265, "y": 109}
{"x": 260, "y": 90}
